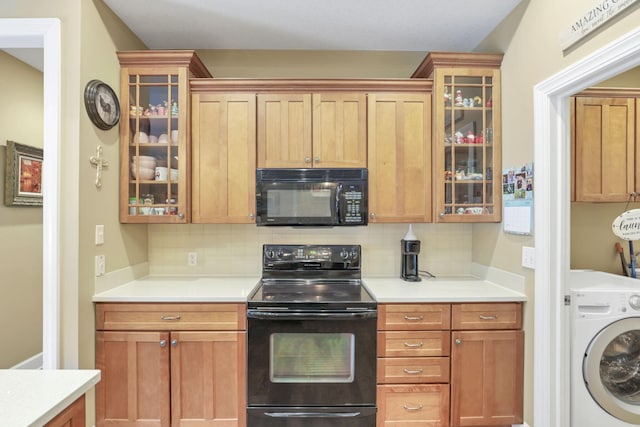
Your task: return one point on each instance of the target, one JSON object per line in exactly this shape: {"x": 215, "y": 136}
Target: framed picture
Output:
{"x": 23, "y": 175}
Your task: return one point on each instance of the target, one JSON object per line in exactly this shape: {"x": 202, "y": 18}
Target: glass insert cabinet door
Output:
{"x": 155, "y": 146}
{"x": 468, "y": 141}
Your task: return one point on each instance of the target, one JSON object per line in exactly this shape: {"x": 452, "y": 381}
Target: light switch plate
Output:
{"x": 99, "y": 235}
{"x": 529, "y": 257}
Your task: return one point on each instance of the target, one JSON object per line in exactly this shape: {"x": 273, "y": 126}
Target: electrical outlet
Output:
{"x": 192, "y": 259}
{"x": 100, "y": 265}
{"x": 529, "y": 257}
{"x": 99, "y": 235}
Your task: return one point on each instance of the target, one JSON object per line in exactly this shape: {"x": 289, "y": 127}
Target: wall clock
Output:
{"x": 102, "y": 104}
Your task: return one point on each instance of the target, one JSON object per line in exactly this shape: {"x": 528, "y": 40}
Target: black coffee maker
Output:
{"x": 410, "y": 248}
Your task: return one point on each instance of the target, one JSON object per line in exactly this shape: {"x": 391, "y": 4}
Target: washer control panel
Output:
{"x": 603, "y": 303}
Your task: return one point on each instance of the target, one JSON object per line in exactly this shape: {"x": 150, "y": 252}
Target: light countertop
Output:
{"x": 236, "y": 289}
{"x": 31, "y": 398}
{"x": 181, "y": 289}
{"x": 441, "y": 289}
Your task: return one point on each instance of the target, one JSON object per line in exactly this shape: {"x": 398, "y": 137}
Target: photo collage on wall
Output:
{"x": 518, "y": 183}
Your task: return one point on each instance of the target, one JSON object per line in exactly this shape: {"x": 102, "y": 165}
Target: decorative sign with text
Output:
{"x": 627, "y": 225}
{"x": 593, "y": 18}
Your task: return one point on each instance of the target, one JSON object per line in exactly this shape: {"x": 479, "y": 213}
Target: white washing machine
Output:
{"x": 605, "y": 350}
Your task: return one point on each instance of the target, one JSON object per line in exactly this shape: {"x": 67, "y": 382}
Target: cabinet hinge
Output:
{"x": 567, "y": 300}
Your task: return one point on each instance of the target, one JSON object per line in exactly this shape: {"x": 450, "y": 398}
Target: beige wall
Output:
{"x": 20, "y": 227}
{"x": 531, "y": 56}
{"x": 310, "y": 64}
{"x": 88, "y": 52}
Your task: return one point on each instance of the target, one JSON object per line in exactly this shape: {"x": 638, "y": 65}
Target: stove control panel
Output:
{"x": 312, "y": 257}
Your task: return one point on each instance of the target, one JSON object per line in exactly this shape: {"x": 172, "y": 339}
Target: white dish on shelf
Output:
{"x": 142, "y": 173}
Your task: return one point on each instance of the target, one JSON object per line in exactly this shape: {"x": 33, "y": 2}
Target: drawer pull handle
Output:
{"x": 412, "y": 371}
{"x": 177, "y": 317}
{"x": 412, "y": 407}
{"x": 494, "y": 317}
{"x": 413, "y": 318}
{"x": 416, "y": 345}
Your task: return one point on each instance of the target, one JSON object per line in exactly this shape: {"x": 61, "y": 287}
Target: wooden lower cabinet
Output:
{"x": 413, "y": 405}
{"x": 442, "y": 365}
{"x": 171, "y": 378}
{"x": 72, "y": 416}
{"x": 486, "y": 378}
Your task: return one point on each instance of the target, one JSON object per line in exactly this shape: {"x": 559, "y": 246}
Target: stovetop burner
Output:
{"x": 315, "y": 277}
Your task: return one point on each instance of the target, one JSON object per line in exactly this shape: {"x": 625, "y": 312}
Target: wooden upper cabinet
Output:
{"x": 321, "y": 130}
{"x": 605, "y": 149}
{"x": 224, "y": 158}
{"x": 399, "y": 150}
{"x": 284, "y": 130}
{"x": 339, "y": 130}
{"x": 466, "y": 135}
{"x": 155, "y": 133}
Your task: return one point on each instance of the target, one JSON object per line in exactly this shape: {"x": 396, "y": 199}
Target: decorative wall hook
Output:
{"x": 99, "y": 162}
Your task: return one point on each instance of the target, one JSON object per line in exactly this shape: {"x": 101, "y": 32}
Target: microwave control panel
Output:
{"x": 352, "y": 210}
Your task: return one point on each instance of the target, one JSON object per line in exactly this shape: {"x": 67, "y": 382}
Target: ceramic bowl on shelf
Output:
{"x": 142, "y": 173}
{"x": 163, "y": 139}
{"x": 147, "y": 162}
{"x": 141, "y": 138}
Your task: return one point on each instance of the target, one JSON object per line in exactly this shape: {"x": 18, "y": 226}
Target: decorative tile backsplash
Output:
{"x": 235, "y": 250}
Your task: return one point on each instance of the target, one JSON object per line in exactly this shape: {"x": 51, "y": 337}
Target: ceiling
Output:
{"x": 402, "y": 25}
{"x": 383, "y": 25}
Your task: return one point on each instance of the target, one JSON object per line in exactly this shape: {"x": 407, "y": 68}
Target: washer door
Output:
{"x": 611, "y": 369}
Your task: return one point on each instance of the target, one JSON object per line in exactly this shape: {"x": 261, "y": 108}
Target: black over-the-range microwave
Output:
{"x": 311, "y": 197}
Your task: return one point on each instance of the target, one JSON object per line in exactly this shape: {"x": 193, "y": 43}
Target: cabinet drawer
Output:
{"x": 413, "y": 343}
{"x": 420, "y": 405}
{"x": 174, "y": 317}
{"x": 486, "y": 316}
{"x": 405, "y": 317}
{"x": 403, "y": 370}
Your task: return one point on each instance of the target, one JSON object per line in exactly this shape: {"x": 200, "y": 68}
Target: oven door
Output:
{"x": 312, "y": 417}
{"x": 311, "y": 358}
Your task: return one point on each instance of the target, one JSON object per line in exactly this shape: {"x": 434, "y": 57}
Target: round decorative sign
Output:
{"x": 627, "y": 225}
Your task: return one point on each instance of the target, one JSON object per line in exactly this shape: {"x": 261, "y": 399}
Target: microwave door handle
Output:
{"x": 338, "y": 197}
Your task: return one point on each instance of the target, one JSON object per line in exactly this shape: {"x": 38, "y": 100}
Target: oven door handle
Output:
{"x": 270, "y": 315}
{"x": 312, "y": 414}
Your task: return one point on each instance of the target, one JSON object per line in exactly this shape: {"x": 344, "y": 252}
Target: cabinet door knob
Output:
{"x": 251, "y": 215}
{"x": 316, "y": 160}
{"x": 307, "y": 159}
{"x": 174, "y": 343}
{"x": 163, "y": 343}
{"x": 180, "y": 215}
{"x": 372, "y": 215}
{"x": 458, "y": 341}
{"x": 441, "y": 214}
